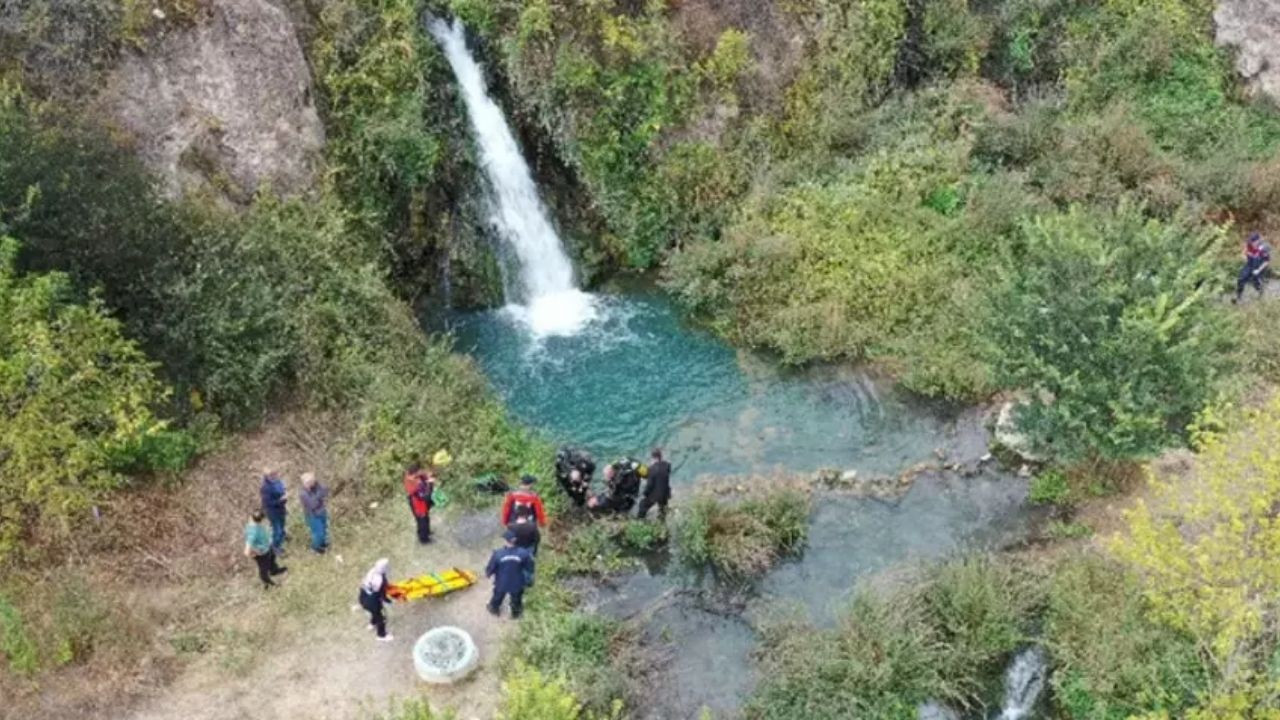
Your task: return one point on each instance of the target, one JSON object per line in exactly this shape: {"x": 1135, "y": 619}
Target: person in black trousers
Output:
{"x": 257, "y": 545}
{"x": 657, "y": 488}
{"x": 526, "y": 529}
{"x": 373, "y": 596}
{"x": 511, "y": 568}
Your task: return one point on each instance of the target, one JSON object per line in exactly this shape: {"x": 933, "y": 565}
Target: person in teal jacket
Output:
{"x": 257, "y": 545}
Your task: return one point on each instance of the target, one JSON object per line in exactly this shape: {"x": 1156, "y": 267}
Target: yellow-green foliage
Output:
{"x": 854, "y": 47}
{"x": 1208, "y": 552}
{"x": 77, "y": 396}
{"x": 1111, "y": 659}
{"x": 372, "y": 62}
{"x": 528, "y": 695}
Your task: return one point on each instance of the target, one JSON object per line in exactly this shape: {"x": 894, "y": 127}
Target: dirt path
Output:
{"x": 300, "y": 651}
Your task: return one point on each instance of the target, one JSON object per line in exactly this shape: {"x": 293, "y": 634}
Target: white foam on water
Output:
{"x": 548, "y": 301}
{"x": 558, "y": 314}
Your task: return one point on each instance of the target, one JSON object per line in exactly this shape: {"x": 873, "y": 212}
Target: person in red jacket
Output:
{"x": 524, "y": 496}
{"x": 419, "y": 486}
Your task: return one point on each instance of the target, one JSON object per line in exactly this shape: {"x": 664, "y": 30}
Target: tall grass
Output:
{"x": 742, "y": 540}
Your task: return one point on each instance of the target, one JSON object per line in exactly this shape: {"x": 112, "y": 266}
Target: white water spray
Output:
{"x": 1023, "y": 683}
{"x": 548, "y": 301}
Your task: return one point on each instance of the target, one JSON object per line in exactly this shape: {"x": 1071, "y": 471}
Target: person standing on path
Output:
{"x": 419, "y": 487}
{"x": 273, "y": 501}
{"x": 657, "y": 487}
{"x": 526, "y": 530}
{"x": 511, "y": 568}
{"x": 373, "y": 597}
{"x": 524, "y": 496}
{"x": 1257, "y": 258}
{"x": 313, "y": 497}
{"x": 257, "y": 545}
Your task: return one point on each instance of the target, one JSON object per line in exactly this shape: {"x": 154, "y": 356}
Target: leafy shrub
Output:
{"x": 76, "y": 392}
{"x": 1204, "y": 552}
{"x": 1049, "y": 488}
{"x": 1107, "y": 319}
{"x": 1111, "y": 660}
{"x": 640, "y": 536}
{"x": 527, "y": 694}
{"x": 573, "y": 646}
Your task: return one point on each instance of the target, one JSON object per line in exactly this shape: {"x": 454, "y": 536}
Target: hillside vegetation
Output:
{"x": 1040, "y": 199}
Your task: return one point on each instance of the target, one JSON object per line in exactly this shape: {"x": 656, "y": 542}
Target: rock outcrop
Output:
{"x": 1252, "y": 29}
{"x": 225, "y": 104}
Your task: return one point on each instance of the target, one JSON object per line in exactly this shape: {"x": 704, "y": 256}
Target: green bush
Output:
{"x": 574, "y": 646}
{"x": 1110, "y": 660}
{"x": 77, "y": 395}
{"x": 1049, "y": 488}
{"x": 528, "y": 694}
{"x": 1107, "y": 319}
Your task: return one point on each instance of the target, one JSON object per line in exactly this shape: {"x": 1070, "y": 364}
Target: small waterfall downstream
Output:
{"x": 546, "y": 297}
{"x": 1023, "y": 684}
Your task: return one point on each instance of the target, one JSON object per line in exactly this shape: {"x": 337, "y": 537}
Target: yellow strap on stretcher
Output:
{"x": 432, "y": 584}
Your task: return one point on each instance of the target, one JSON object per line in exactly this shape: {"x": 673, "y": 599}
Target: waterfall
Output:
{"x": 545, "y": 297}
{"x": 1023, "y": 683}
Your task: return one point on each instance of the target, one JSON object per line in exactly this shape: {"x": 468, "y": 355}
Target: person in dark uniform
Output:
{"x": 511, "y": 568}
{"x": 1257, "y": 258}
{"x": 657, "y": 486}
{"x": 526, "y": 530}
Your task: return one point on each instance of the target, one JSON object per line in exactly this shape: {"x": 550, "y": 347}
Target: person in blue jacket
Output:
{"x": 273, "y": 500}
{"x": 511, "y": 568}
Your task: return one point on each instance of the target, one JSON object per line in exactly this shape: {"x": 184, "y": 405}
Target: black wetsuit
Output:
{"x": 657, "y": 489}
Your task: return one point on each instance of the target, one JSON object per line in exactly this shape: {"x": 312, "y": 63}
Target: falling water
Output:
{"x": 547, "y": 300}
{"x": 1023, "y": 683}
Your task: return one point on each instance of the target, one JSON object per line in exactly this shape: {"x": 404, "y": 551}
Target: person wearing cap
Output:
{"x": 313, "y": 496}
{"x": 1257, "y": 258}
{"x": 524, "y": 495}
{"x": 511, "y": 568}
{"x": 526, "y": 530}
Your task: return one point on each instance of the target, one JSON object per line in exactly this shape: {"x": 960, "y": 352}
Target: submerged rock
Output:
{"x": 224, "y": 105}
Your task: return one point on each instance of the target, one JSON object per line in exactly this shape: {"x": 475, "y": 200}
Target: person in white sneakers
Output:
{"x": 373, "y": 596}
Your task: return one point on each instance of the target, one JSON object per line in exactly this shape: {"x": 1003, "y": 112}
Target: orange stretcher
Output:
{"x": 431, "y": 584}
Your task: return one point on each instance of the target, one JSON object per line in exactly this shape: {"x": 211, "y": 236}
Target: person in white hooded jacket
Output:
{"x": 373, "y": 596}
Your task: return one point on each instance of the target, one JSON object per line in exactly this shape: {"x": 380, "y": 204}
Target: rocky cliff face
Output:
{"x": 1252, "y": 28}
{"x": 225, "y": 104}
